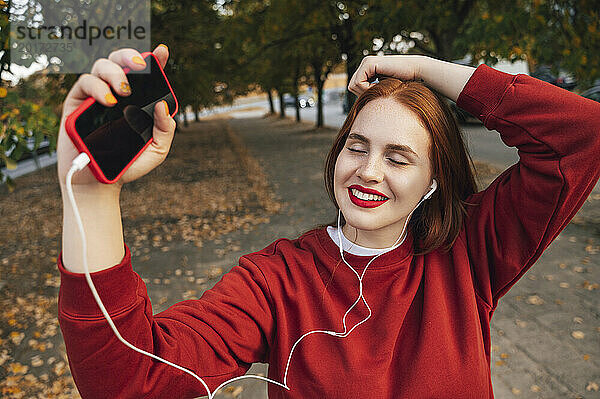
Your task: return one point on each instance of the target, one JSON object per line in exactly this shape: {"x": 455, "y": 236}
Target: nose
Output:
{"x": 370, "y": 170}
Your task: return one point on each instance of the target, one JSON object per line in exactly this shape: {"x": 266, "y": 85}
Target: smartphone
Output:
{"x": 113, "y": 137}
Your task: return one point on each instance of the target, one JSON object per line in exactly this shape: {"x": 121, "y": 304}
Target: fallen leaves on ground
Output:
{"x": 535, "y": 300}
{"x": 208, "y": 186}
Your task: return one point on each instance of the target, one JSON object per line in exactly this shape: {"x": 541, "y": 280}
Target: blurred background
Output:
{"x": 296, "y": 54}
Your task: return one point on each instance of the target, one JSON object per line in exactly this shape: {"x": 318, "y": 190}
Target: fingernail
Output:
{"x": 138, "y": 60}
{"x": 163, "y": 45}
{"x": 125, "y": 88}
{"x": 166, "y": 107}
{"x": 110, "y": 98}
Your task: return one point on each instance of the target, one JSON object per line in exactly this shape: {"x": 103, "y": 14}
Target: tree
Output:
{"x": 30, "y": 110}
{"x": 309, "y": 47}
{"x": 194, "y": 65}
{"x": 564, "y": 34}
{"x": 428, "y": 27}
{"x": 28, "y": 114}
{"x": 353, "y": 32}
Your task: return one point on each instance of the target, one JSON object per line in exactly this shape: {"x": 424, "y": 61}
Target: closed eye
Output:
{"x": 355, "y": 150}
{"x": 397, "y": 162}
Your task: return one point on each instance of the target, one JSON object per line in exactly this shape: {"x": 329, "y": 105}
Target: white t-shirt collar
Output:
{"x": 353, "y": 248}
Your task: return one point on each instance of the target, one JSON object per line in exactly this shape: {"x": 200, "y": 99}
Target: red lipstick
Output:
{"x": 365, "y": 203}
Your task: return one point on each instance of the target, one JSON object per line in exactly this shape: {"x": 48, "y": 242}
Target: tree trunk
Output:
{"x": 185, "y": 119}
{"x": 349, "y": 98}
{"x": 296, "y": 90}
{"x": 271, "y": 105}
{"x": 353, "y": 59}
{"x": 281, "y": 104}
{"x": 320, "y": 84}
{"x": 319, "y": 78}
{"x": 297, "y": 107}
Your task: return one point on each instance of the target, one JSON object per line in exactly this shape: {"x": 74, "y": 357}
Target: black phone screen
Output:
{"x": 115, "y": 135}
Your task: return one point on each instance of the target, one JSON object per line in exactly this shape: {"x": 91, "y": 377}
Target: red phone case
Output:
{"x": 80, "y": 145}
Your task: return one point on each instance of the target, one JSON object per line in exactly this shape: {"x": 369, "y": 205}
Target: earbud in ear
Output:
{"x": 433, "y": 187}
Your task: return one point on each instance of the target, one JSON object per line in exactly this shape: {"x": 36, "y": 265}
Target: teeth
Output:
{"x": 367, "y": 197}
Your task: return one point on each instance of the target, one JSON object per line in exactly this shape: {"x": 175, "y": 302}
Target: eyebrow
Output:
{"x": 393, "y": 147}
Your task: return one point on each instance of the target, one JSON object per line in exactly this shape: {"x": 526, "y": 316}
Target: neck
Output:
{"x": 378, "y": 239}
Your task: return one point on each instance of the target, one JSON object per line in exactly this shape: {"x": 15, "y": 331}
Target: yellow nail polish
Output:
{"x": 125, "y": 88}
{"x": 166, "y": 107}
{"x": 163, "y": 45}
{"x": 138, "y": 60}
{"x": 110, "y": 98}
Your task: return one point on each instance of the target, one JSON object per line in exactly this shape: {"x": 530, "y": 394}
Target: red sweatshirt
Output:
{"x": 429, "y": 335}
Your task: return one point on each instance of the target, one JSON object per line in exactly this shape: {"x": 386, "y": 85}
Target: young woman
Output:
{"x": 404, "y": 310}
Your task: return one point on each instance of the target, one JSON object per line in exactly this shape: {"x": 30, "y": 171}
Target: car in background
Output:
{"x": 593, "y": 93}
{"x": 563, "y": 80}
{"x": 43, "y": 148}
{"x": 334, "y": 95}
{"x": 303, "y": 101}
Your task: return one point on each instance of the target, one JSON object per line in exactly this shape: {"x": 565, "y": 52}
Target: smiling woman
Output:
{"x": 408, "y": 321}
{"x": 398, "y": 136}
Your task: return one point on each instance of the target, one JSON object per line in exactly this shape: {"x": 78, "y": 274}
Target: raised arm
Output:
{"x": 216, "y": 337}
{"x": 445, "y": 77}
{"x": 98, "y": 203}
{"x": 557, "y": 134}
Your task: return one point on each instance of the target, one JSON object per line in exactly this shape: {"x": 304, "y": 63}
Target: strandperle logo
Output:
{"x": 82, "y": 32}
{"x": 68, "y": 37}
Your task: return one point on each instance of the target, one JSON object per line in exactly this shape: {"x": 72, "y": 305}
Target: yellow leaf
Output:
{"x": 578, "y": 334}
{"x": 3, "y": 92}
{"x": 535, "y": 300}
{"x": 17, "y": 368}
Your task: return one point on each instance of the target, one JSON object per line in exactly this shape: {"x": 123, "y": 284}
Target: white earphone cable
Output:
{"x": 82, "y": 160}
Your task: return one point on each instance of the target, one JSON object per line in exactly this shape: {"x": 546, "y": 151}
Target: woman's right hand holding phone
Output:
{"x": 98, "y": 203}
{"x": 108, "y": 73}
